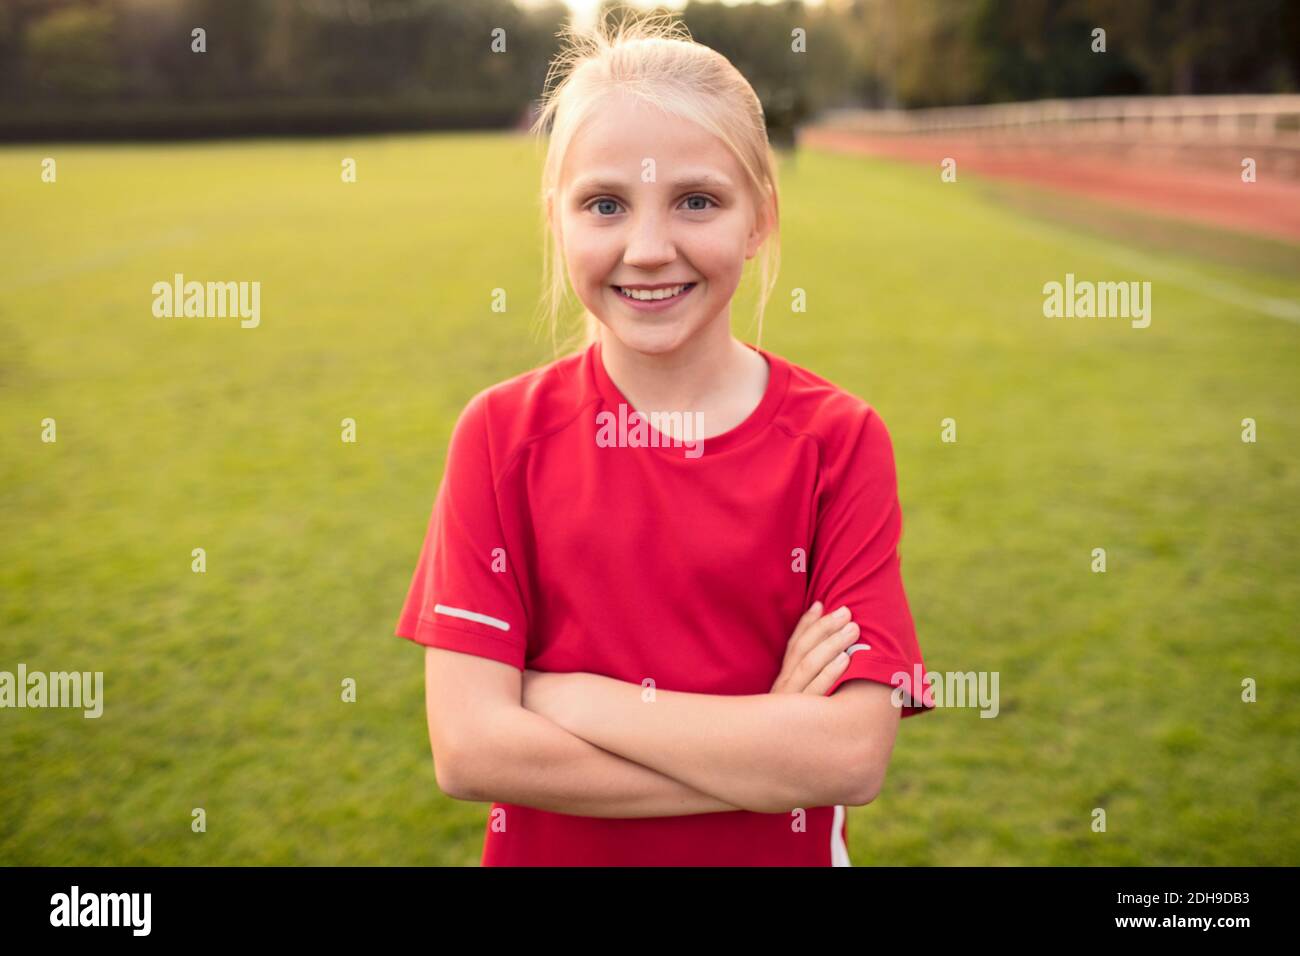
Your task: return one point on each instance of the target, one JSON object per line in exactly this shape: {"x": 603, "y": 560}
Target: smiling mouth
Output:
{"x": 655, "y": 295}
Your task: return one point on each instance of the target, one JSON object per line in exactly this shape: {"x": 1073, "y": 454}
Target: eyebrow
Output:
{"x": 687, "y": 181}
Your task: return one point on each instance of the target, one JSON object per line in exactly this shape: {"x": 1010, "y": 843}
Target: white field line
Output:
{"x": 1287, "y": 310}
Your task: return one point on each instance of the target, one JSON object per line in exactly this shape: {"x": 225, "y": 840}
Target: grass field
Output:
{"x": 1119, "y": 690}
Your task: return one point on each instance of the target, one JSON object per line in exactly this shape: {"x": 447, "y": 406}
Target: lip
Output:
{"x": 656, "y": 306}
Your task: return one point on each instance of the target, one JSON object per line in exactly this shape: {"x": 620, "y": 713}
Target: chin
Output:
{"x": 648, "y": 336}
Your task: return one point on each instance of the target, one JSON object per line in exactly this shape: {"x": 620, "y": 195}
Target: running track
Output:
{"x": 1268, "y": 207}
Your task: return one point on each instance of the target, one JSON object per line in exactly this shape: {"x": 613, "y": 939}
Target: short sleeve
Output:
{"x": 855, "y": 562}
{"x": 465, "y": 593}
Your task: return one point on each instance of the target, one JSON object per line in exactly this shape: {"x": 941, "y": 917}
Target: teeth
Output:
{"x": 651, "y": 295}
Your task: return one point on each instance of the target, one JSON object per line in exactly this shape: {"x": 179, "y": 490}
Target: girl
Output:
{"x": 616, "y": 580}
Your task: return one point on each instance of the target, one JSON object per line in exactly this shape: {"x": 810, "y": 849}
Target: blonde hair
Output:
{"x": 653, "y": 58}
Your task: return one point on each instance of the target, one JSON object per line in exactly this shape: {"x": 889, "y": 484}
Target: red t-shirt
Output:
{"x": 548, "y": 549}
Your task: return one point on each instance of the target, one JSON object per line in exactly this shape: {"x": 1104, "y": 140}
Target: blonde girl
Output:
{"x": 660, "y": 588}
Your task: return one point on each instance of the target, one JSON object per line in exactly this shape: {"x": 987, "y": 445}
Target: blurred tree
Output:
{"x": 395, "y": 61}
{"x": 938, "y": 52}
{"x": 1028, "y": 49}
{"x": 236, "y": 37}
{"x": 1204, "y": 46}
{"x": 17, "y": 18}
{"x": 70, "y": 52}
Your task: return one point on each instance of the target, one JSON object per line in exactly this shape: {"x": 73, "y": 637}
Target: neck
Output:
{"x": 695, "y": 376}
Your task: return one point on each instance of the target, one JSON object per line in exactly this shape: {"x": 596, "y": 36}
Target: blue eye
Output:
{"x": 598, "y": 202}
{"x": 700, "y": 196}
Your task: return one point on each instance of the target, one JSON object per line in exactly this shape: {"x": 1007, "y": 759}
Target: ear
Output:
{"x": 764, "y": 219}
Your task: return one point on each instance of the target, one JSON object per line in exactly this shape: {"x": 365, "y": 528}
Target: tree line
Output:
{"x": 165, "y": 65}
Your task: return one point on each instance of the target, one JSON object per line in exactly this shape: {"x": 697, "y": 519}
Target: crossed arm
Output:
{"x": 595, "y": 746}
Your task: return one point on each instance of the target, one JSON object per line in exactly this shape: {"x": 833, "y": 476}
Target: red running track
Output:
{"x": 1268, "y": 207}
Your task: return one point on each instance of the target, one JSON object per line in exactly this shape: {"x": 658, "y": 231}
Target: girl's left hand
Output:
{"x": 815, "y": 654}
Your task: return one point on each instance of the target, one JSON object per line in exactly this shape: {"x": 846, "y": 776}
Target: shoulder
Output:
{"x": 844, "y": 425}
{"x": 505, "y": 417}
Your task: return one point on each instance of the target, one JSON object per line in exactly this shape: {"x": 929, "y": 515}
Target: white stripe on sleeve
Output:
{"x": 471, "y": 616}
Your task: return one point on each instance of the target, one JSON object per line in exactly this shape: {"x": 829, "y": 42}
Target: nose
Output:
{"x": 650, "y": 242}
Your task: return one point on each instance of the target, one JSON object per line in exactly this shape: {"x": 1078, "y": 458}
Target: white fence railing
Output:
{"x": 1272, "y": 120}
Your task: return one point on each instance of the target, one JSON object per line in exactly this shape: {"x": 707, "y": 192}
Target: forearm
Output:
{"x": 765, "y": 752}
{"x": 524, "y": 758}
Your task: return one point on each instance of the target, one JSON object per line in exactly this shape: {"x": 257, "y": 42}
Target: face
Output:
{"x": 693, "y": 223}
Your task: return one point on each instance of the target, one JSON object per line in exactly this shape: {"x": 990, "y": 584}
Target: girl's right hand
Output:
{"x": 814, "y": 656}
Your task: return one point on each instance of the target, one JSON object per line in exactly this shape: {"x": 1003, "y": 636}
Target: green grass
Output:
{"x": 1118, "y": 690}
